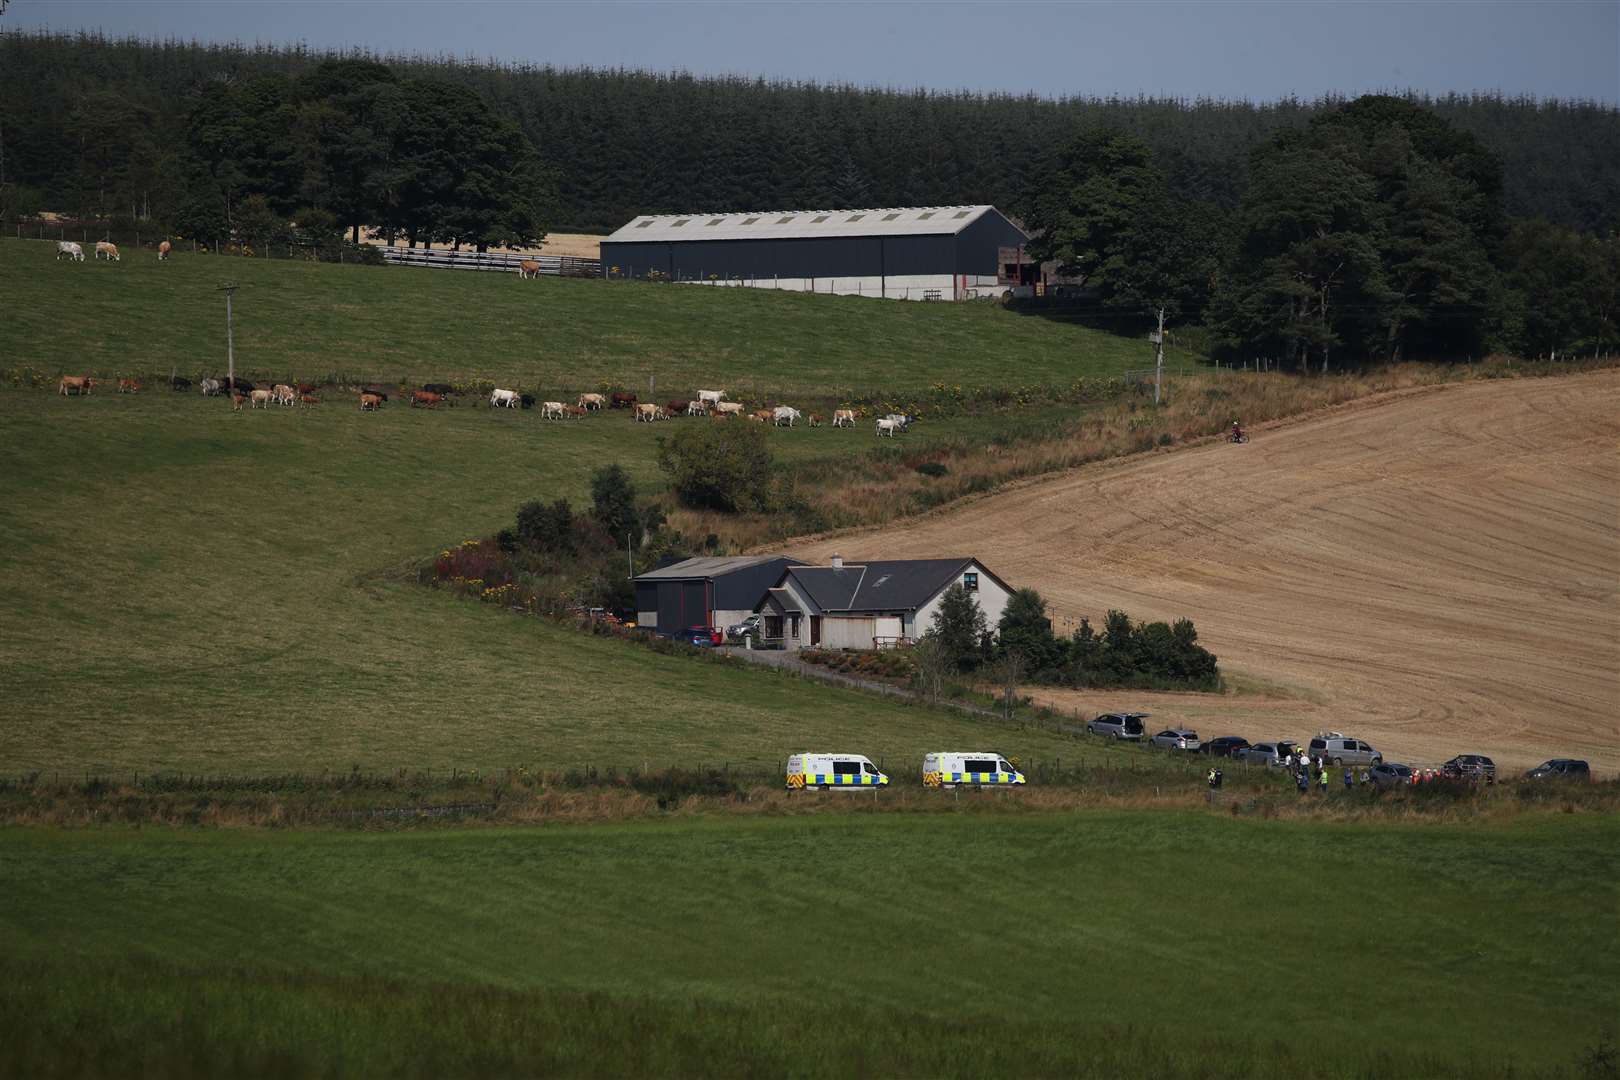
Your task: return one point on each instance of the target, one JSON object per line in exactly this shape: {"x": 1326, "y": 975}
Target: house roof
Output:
{"x": 802, "y": 224}
{"x": 887, "y": 585}
{"x": 707, "y": 567}
{"x": 785, "y": 601}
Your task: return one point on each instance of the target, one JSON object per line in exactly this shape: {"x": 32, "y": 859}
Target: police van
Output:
{"x": 818, "y": 772}
{"x": 946, "y": 769}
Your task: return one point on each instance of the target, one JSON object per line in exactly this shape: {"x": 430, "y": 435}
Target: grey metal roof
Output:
{"x": 786, "y": 602}
{"x": 801, "y": 224}
{"x": 888, "y": 585}
{"x": 706, "y": 567}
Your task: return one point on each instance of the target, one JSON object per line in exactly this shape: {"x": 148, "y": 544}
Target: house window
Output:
{"x": 970, "y": 582}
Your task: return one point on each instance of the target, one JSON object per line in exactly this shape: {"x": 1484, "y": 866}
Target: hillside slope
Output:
{"x": 1437, "y": 572}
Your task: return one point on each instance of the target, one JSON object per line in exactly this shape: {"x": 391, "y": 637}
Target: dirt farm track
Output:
{"x": 1437, "y": 571}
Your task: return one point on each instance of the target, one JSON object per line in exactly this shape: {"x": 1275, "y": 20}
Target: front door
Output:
{"x": 815, "y": 630}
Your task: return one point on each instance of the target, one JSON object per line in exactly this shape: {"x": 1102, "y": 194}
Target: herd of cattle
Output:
{"x": 243, "y": 393}
{"x": 105, "y": 249}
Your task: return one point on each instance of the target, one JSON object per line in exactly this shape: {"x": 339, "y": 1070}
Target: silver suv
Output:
{"x": 1340, "y": 750}
{"x": 1121, "y": 725}
{"x": 1269, "y": 753}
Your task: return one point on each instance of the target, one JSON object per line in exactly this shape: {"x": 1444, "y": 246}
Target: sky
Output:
{"x": 1245, "y": 49}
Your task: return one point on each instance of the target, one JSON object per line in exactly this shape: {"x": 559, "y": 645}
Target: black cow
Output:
{"x": 241, "y": 384}
{"x": 528, "y": 400}
{"x": 179, "y": 382}
{"x": 438, "y": 388}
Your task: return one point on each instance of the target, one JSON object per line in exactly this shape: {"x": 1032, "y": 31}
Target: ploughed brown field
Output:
{"x": 1436, "y": 571}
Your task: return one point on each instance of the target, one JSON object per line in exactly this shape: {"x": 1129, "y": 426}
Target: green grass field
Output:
{"x": 554, "y": 336}
{"x": 194, "y": 589}
{"x": 1050, "y": 944}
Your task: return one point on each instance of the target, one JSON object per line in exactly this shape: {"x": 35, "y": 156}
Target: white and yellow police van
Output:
{"x": 947, "y": 769}
{"x": 818, "y": 772}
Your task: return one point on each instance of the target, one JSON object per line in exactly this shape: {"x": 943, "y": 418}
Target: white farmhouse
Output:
{"x": 872, "y": 605}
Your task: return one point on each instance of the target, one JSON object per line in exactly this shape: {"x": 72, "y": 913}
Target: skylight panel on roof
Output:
{"x": 854, "y": 219}
{"x": 890, "y": 217}
{"x": 717, "y": 221}
{"x": 785, "y": 220}
{"x": 925, "y": 215}
{"x": 750, "y": 221}
{"x": 963, "y": 213}
{"x": 678, "y": 224}
{"x": 819, "y": 220}
{"x": 644, "y": 224}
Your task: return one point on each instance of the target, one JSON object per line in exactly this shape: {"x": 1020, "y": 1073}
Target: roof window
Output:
{"x": 644, "y": 224}
{"x": 750, "y": 221}
{"x": 678, "y": 224}
{"x": 716, "y": 221}
{"x": 785, "y": 220}
{"x": 890, "y": 217}
{"x": 854, "y": 218}
{"x": 925, "y": 215}
{"x": 820, "y": 219}
{"x": 963, "y": 213}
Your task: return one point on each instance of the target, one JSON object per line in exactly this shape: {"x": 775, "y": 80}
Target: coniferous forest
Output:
{"x": 1315, "y": 232}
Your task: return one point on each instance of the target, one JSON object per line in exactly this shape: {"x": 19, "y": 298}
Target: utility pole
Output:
{"x": 1158, "y": 376}
{"x": 229, "y": 289}
{"x": 629, "y": 559}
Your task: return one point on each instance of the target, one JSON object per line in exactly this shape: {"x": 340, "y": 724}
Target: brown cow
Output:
{"x": 370, "y": 402}
{"x": 815, "y": 419}
{"x": 128, "y": 386}
{"x": 238, "y": 399}
{"x": 305, "y": 388}
{"x": 79, "y": 384}
{"x": 107, "y": 249}
{"x": 622, "y": 400}
{"x": 528, "y": 268}
{"x": 308, "y": 399}
{"x": 425, "y": 398}
{"x": 764, "y": 416}
{"x": 575, "y": 410}
{"x": 163, "y": 251}
{"x": 676, "y": 408}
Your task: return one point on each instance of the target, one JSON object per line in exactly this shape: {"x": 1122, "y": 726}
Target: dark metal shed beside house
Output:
{"x": 710, "y": 591}
{"x": 916, "y": 252}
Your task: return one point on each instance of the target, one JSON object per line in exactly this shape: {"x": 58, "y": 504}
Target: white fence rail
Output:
{"x": 553, "y": 265}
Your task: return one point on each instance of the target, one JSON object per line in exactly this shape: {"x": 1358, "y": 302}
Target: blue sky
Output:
{"x": 1221, "y": 48}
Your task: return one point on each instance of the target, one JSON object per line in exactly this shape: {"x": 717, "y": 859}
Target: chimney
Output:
{"x": 838, "y": 562}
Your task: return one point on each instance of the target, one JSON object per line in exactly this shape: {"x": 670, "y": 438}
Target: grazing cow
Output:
{"x": 237, "y": 401}
{"x": 443, "y": 389}
{"x": 622, "y": 400}
{"x": 713, "y": 396}
{"x": 551, "y": 410}
{"x": 128, "y": 386}
{"x": 370, "y": 402}
{"x": 79, "y": 384}
{"x": 427, "y": 399}
{"x": 646, "y": 413}
{"x": 676, "y": 408}
{"x": 308, "y": 399}
{"x": 304, "y": 387}
{"x": 377, "y": 390}
{"x": 815, "y": 419}
{"x": 843, "y": 418}
{"x": 211, "y": 387}
{"x": 73, "y": 251}
{"x": 591, "y": 401}
{"x": 240, "y": 384}
{"x": 163, "y": 251}
{"x": 785, "y": 412}
{"x": 728, "y": 407}
{"x": 576, "y": 411}
{"x": 528, "y": 268}
{"x": 179, "y": 382}
{"x": 504, "y": 399}
{"x": 261, "y": 398}
{"x": 764, "y": 416}
{"x": 109, "y": 249}
{"x": 887, "y": 427}
{"x": 283, "y": 394}
{"x": 526, "y": 400}
{"x": 697, "y": 408}
{"x": 901, "y": 420}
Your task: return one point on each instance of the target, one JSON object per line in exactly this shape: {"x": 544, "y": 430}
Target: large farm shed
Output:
{"x": 705, "y": 591}
{"x": 874, "y": 604}
{"x": 904, "y": 253}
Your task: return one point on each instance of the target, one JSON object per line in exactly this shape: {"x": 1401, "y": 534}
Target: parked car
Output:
{"x": 1470, "y": 767}
{"x": 1561, "y": 769}
{"x": 1269, "y": 753}
{"x": 1340, "y": 750}
{"x": 1121, "y": 725}
{"x": 1231, "y": 746}
{"x": 753, "y": 626}
{"x": 704, "y": 637}
{"x": 1176, "y": 739}
{"x": 1387, "y": 775}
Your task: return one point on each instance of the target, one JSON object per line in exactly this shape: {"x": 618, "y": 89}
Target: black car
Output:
{"x": 1225, "y": 746}
{"x": 1470, "y": 767}
{"x": 1561, "y": 769}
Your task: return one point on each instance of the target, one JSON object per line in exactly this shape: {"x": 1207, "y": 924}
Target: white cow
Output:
{"x": 901, "y": 420}
{"x": 785, "y": 412}
{"x": 887, "y": 427}
{"x": 284, "y": 394}
{"x": 551, "y": 410}
{"x": 73, "y": 251}
{"x": 509, "y": 399}
{"x": 843, "y": 418}
{"x": 724, "y": 407}
{"x": 211, "y": 387}
{"x": 592, "y": 401}
{"x": 648, "y": 413}
{"x": 697, "y": 408}
{"x": 711, "y": 396}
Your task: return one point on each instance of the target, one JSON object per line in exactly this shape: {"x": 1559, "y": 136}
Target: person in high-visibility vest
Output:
{"x": 1321, "y": 779}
